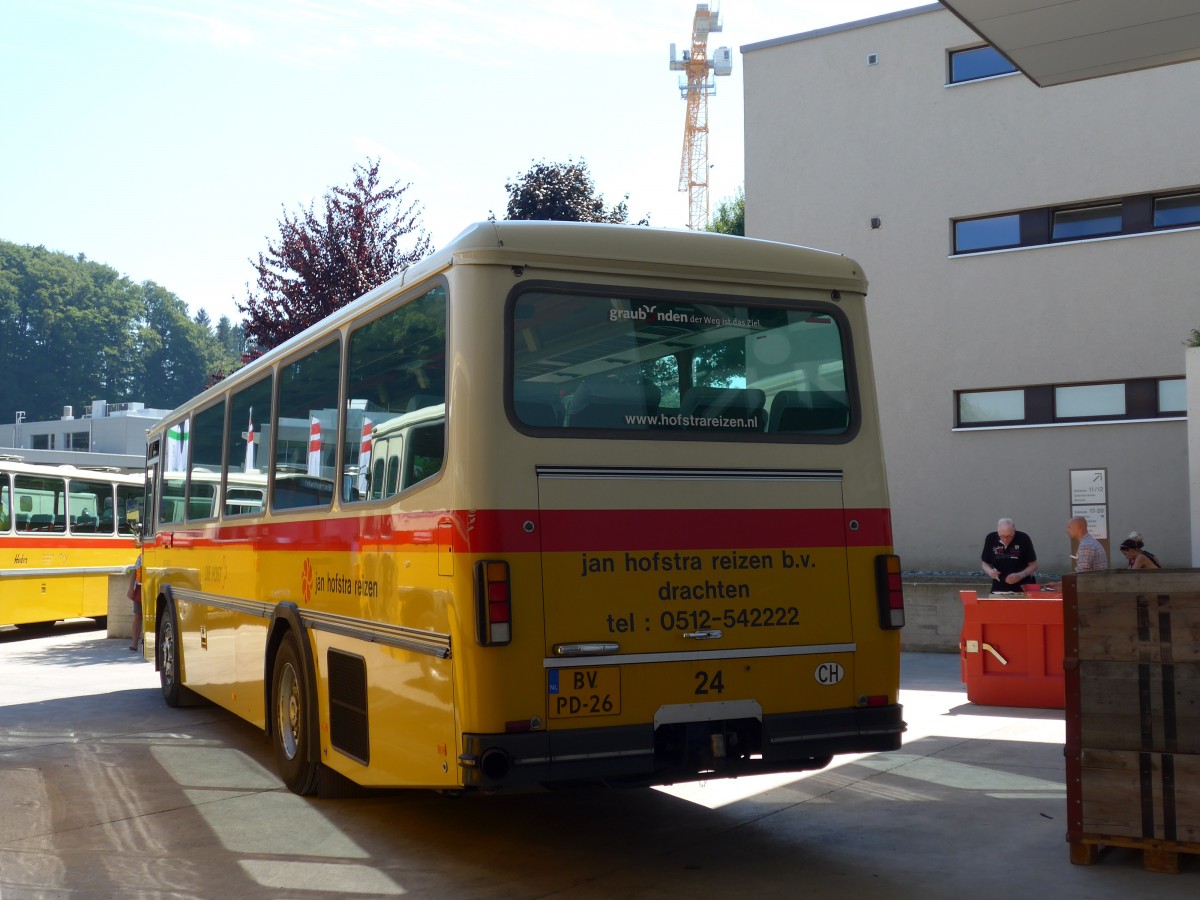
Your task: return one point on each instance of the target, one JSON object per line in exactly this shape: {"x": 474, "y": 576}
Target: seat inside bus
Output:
{"x": 604, "y": 404}
{"x": 538, "y": 404}
{"x": 809, "y": 412}
{"x": 731, "y": 403}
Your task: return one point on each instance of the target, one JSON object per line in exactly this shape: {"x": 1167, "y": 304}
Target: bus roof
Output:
{"x": 100, "y": 473}
{"x": 405, "y": 420}
{"x": 587, "y": 246}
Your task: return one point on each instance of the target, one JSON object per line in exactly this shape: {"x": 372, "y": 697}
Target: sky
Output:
{"x": 166, "y": 138}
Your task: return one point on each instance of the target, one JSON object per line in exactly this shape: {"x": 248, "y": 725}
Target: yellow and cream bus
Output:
{"x": 63, "y": 532}
{"x": 561, "y": 502}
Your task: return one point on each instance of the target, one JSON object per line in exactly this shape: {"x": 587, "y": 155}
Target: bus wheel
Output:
{"x": 289, "y": 695}
{"x": 171, "y": 665}
{"x": 166, "y": 645}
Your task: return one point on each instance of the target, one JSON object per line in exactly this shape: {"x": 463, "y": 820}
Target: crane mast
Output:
{"x": 696, "y": 88}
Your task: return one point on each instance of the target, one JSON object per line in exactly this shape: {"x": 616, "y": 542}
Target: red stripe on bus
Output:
{"x": 561, "y": 531}
{"x": 59, "y": 542}
{"x": 711, "y": 529}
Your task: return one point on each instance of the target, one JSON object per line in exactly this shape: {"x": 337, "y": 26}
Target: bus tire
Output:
{"x": 166, "y": 645}
{"x": 290, "y": 719}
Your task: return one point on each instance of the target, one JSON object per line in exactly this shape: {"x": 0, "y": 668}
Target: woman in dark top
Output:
{"x": 1135, "y": 552}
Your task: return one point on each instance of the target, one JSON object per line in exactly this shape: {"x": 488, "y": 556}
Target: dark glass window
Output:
{"x": 208, "y": 438}
{"x": 41, "y": 503}
{"x": 681, "y": 366}
{"x": 1047, "y": 404}
{"x": 976, "y": 63}
{"x": 987, "y": 234}
{"x": 129, "y": 507}
{"x": 397, "y": 366}
{"x": 90, "y": 506}
{"x": 1172, "y": 395}
{"x": 1073, "y": 224}
{"x": 247, "y": 446}
{"x": 1173, "y": 212}
{"x": 306, "y": 424}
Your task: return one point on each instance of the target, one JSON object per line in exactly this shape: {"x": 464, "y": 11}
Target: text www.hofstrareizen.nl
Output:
{"x": 681, "y": 421}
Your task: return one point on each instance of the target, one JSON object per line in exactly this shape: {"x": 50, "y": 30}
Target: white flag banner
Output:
{"x": 177, "y": 447}
{"x": 364, "y": 456}
{"x": 314, "y": 447}
{"x": 249, "y": 464}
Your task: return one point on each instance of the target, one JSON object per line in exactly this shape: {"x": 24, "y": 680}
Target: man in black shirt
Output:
{"x": 1009, "y": 558}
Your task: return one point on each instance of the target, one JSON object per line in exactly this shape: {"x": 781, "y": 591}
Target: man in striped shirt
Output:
{"x": 1090, "y": 556}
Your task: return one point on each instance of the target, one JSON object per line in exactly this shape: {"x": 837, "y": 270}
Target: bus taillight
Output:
{"x": 493, "y": 603}
{"x": 890, "y": 591}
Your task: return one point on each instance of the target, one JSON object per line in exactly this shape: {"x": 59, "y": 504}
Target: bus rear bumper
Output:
{"x": 640, "y": 755}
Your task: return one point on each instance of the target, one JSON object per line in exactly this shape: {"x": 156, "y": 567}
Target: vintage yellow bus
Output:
{"x": 560, "y": 503}
{"x": 64, "y": 531}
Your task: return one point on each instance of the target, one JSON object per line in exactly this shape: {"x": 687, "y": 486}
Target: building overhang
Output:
{"x": 1055, "y": 42}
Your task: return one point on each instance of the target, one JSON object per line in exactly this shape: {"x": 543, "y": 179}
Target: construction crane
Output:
{"x": 696, "y": 89}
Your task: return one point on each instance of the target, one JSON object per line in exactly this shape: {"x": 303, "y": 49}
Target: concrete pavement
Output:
{"x": 106, "y": 792}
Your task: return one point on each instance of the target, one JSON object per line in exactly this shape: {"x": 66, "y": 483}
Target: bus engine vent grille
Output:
{"x": 348, "y": 727}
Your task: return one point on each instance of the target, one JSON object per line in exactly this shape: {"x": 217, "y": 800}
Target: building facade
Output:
{"x": 106, "y": 434}
{"x": 1034, "y": 266}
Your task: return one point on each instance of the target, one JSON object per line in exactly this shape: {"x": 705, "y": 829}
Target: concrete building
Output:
{"x": 107, "y": 434}
{"x": 1034, "y": 261}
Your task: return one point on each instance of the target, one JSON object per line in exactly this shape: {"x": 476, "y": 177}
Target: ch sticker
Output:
{"x": 829, "y": 673}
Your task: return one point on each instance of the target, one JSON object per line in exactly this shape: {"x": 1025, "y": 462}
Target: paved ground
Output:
{"x": 106, "y": 792}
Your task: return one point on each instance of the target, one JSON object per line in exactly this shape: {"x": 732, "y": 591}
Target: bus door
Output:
{"x": 726, "y": 588}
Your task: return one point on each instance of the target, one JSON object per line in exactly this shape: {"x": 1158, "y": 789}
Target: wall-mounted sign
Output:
{"x": 1089, "y": 487}
{"x": 1097, "y": 519}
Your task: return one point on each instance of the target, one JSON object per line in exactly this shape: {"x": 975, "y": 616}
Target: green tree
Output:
{"x": 177, "y": 355}
{"x": 562, "y": 192}
{"x": 730, "y": 217}
{"x": 66, "y": 334}
{"x": 231, "y": 337}
{"x": 323, "y": 260}
{"x": 1194, "y": 338}
{"x": 73, "y": 331}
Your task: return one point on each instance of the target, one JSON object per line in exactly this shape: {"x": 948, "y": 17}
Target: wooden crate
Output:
{"x": 1132, "y": 660}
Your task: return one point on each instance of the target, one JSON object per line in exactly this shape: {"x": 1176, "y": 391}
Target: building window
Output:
{"x": 1039, "y": 226}
{"x": 41, "y": 442}
{"x": 990, "y": 406}
{"x": 971, "y": 235}
{"x": 1172, "y": 395}
{"x": 1137, "y": 399}
{"x": 1089, "y": 401}
{"x": 1093, "y": 221}
{"x": 976, "y": 63}
{"x": 77, "y": 440}
{"x": 1176, "y": 212}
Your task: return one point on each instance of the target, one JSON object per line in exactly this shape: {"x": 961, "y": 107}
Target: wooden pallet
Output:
{"x": 1132, "y": 661}
{"x": 1157, "y": 856}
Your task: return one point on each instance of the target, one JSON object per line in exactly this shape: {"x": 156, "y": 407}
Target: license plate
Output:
{"x": 584, "y": 692}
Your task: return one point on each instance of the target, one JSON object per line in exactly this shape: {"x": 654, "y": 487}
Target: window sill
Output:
{"x": 967, "y": 430}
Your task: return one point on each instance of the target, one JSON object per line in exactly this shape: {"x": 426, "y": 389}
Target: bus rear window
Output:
{"x": 677, "y": 367}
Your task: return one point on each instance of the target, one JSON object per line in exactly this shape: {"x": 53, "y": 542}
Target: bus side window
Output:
{"x": 377, "y": 479}
{"x": 393, "y": 473}
{"x": 426, "y": 450}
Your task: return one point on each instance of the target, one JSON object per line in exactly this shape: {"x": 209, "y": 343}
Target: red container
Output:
{"x": 1012, "y": 650}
